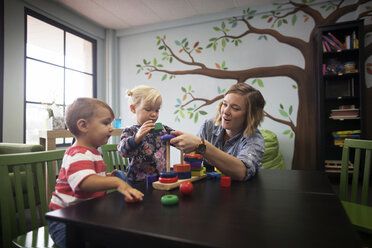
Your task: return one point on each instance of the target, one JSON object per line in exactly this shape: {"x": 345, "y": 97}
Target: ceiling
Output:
{"x": 124, "y": 14}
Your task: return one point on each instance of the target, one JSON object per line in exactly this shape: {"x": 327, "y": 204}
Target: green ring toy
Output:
{"x": 169, "y": 200}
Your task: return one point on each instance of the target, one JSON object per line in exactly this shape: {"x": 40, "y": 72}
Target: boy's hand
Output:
{"x": 146, "y": 127}
{"x": 112, "y": 173}
{"x": 129, "y": 192}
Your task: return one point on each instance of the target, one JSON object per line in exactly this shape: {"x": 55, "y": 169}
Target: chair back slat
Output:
{"x": 112, "y": 158}
{"x": 355, "y": 181}
{"x": 23, "y": 201}
{"x": 366, "y": 176}
{"x": 360, "y": 147}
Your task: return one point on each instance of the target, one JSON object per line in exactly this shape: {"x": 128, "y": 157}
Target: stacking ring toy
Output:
{"x": 169, "y": 200}
{"x": 167, "y": 137}
{"x": 165, "y": 174}
{"x": 168, "y": 180}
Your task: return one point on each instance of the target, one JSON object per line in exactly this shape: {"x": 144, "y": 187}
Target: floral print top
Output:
{"x": 145, "y": 158}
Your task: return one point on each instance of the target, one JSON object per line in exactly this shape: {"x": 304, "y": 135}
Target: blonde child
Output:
{"x": 83, "y": 173}
{"x": 145, "y": 149}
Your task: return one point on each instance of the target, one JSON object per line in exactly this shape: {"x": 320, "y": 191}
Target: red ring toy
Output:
{"x": 168, "y": 180}
{"x": 225, "y": 181}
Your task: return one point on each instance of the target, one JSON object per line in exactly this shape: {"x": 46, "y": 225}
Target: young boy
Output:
{"x": 83, "y": 172}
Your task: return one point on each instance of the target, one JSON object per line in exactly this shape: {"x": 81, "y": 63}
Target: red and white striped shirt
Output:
{"x": 78, "y": 163}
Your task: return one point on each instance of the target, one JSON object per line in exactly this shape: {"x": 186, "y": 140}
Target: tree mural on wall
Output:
{"x": 305, "y": 78}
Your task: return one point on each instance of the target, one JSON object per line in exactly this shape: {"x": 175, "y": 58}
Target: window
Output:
{"x": 60, "y": 66}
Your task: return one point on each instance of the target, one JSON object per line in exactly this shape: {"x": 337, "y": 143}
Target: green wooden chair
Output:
{"x": 355, "y": 202}
{"x": 112, "y": 158}
{"x": 24, "y": 199}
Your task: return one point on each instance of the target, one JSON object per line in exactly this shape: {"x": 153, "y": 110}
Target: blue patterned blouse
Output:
{"x": 248, "y": 149}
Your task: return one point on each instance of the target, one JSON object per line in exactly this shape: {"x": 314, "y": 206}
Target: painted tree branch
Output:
{"x": 288, "y": 123}
{"x": 206, "y": 101}
{"x": 335, "y": 15}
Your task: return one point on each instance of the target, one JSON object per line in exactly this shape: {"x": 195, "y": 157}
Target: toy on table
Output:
{"x": 158, "y": 127}
{"x": 225, "y": 182}
{"x": 169, "y": 200}
{"x": 183, "y": 170}
{"x": 186, "y": 188}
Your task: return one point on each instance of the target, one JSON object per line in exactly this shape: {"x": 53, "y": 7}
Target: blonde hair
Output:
{"x": 254, "y": 102}
{"x": 143, "y": 93}
{"x": 83, "y": 108}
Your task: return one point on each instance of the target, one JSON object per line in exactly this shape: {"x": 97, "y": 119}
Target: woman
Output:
{"x": 232, "y": 142}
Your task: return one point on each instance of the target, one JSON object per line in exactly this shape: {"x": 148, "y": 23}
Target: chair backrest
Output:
{"x": 112, "y": 158}
{"x": 359, "y": 147}
{"x": 23, "y": 192}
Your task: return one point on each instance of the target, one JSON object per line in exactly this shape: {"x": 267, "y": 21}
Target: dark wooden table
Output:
{"x": 274, "y": 209}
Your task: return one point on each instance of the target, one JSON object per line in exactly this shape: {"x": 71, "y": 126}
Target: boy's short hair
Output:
{"x": 83, "y": 108}
{"x": 143, "y": 93}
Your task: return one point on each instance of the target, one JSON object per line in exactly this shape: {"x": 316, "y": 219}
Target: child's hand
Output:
{"x": 112, "y": 173}
{"x": 146, "y": 127}
{"x": 129, "y": 192}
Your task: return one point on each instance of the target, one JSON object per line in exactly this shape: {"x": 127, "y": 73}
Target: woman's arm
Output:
{"x": 227, "y": 164}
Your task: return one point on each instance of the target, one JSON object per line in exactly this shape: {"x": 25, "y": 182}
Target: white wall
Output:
{"x": 13, "y": 119}
{"x": 138, "y": 44}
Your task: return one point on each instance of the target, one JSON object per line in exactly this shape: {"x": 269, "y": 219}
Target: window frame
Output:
{"x": 29, "y": 12}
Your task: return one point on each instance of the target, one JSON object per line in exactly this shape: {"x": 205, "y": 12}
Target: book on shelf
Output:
{"x": 332, "y": 43}
{"x": 342, "y": 114}
{"x": 336, "y": 40}
{"x": 340, "y": 136}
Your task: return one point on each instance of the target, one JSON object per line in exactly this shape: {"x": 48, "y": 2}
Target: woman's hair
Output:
{"x": 83, "y": 108}
{"x": 254, "y": 103}
{"x": 143, "y": 93}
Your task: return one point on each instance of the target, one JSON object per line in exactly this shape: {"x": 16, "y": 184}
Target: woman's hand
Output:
{"x": 185, "y": 142}
{"x": 146, "y": 127}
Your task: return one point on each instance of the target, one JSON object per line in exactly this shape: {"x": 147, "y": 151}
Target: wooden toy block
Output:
{"x": 184, "y": 175}
{"x": 167, "y": 137}
{"x": 181, "y": 167}
{"x": 168, "y": 186}
{"x": 158, "y": 127}
{"x": 197, "y": 173}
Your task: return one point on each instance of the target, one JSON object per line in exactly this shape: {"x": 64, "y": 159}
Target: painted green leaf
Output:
{"x": 294, "y": 86}
{"x": 183, "y": 89}
{"x": 184, "y": 40}
{"x": 164, "y": 77}
{"x": 214, "y": 46}
{"x": 177, "y": 42}
{"x": 212, "y": 39}
{"x": 287, "y": 131}
{"x": 290, "y": 110}
{"x": 161, "y": 47}
{"x": 189, "y": 87}
{"x": 285, "y": 21}
{"x": 218, "y": 90}
{"x": 280, "y": 23}
{"x": 170, "y": 59}
{"x": 196, "y": 117}
{"x": 177, "y": 119}
{"x": 160, "y": 65}
{"x": 217, "y": 29}
{"x": 291, "y": 135}
{"x": 155, "y": 62}
{"x": 264, "y": 16}
{"x": 209, "y": 45}
{"x": 254, "y": 81}
{"x": 182, "y": 114}
{"x": 294, "y": 19}
{"x": 175, "y": 112}
{"x": 234, "y": 24}
{"x": 281, "y": 106}
{"x": 283, "y": 113}
{"x": 179, "y": 101}
{"x": 223, "y": 42}
{"x": 202, "y": 112}
{"x": 223, "y": 25}
{"x": 158, "y": 37}
{"x": 191, "y": 114}
{"x": 190, "y": 109}
{"x": 138, "y": 71}
{"x": 260, "y": 83}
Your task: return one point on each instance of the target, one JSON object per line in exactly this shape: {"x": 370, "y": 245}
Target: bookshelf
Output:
{"x": 340, "y": 87}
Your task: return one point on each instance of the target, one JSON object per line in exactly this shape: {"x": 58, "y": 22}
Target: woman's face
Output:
{"x": 233, "y": 113}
